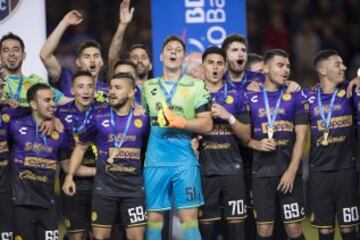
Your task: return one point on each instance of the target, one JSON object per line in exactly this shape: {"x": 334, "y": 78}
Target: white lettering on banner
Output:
{"x": 194, "y": 3}
{"x": 215, "y": 14}
{"x": 3, "y": 5}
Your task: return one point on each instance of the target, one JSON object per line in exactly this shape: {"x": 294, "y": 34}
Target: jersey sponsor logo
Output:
{"x": 125, "y": 153}
{"x": 336, "y": 122}
{"x": 7, "y": 7}
{"x": 29, "y": 175}
{"x": 279, "y": 126}
{"x": 4, "y": 163}
{"x": 23, "y": 130}
{"x": 337, "y": 107}
{"x": 40, "y": 162}
{"x": 119, "y": 168}
{"x": 208, "y": 145}
{"x": 4, "y": 147}
{"x": 37, "y": 147}
{"x": 262, "y": 111}
{"x": 128, "y": 138}
{"x": 331, "y": 139}
{"x": 5, "y": 118}
{"x": 138, "y": 123}
{"x": 221, "y": 129}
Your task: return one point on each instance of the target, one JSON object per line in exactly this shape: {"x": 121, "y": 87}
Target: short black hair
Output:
{"x": 12, "y": 36}
{"x": 126, "y": 76}
{"x": 81, "y": 73}
{"x": 173, "y": 38}
{"x": 254, "y": 58}
{"x": 214, "y": 50}
{"x": 270, "y": 54}
{"x": 31, "y": 93}
{"x": 141, "y": 46}
{"x": 87, "y": 44}
{"x": 124, "y": 62}
{"x": 324, "y": 55}
{"x": 232, "y": 38}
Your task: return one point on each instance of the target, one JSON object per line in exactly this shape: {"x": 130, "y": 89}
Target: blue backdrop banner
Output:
{"x": 200, "y": 23}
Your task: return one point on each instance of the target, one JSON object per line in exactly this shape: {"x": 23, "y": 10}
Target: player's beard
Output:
{"x": 141, "y": 71}
{"x": 12, "y": 69}
{"x": 120, "y": 103}
{"x": 235, "y": 70}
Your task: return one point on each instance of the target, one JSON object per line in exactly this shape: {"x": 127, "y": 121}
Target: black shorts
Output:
{"x": 248, "y": 187}
{"x": 77, "y": 211}
{"x": 107, "y": 210}
{"x": 35, "y": 223}
{"x": 334, "y": 193}
{"x": 266, "y": 196}
{"x": 223, "y": 191}
{"x": 6, "y": 216}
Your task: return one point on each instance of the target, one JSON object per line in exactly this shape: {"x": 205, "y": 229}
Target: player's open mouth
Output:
{"x": 92, "y": 67}
{"x": 172, "y": 59}
{"x": 215, "y": 74}
{"x": 240, "y": 61}
{"x": 86, "y": 98}
{"x": 12, "y": 60}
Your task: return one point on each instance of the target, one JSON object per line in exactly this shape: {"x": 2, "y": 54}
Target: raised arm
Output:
{"x": 125, "y": 15}
{"x": 47, "y": 56}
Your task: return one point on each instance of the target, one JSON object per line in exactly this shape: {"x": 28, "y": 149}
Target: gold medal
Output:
{"x": 113, "y": 152}
{"x": 325, "y": 140}
{"x": 271, "y": 133}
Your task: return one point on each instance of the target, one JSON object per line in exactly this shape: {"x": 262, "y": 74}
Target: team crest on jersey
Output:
{"x": 229, "y": 100}
{"x": 341, "y": 93}
{"x": 18, "y": 237}
{"x": 7, "y": 7}
{"x": 286, "y": 97}
{"x": 138, "y": 123}
{"x": 5, "y": 118}
{"x": 26, "y": 85}
{"x": 185, "y": 93}
{"x": 54, "y": 135}
{"x": 67, "y": 223}
{"x": 93, "y": 216}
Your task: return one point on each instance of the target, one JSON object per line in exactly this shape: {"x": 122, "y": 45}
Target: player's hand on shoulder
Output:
{"x": 139, "y": 110}
{"x": 353, "y": 83}
{"x": 292, "y": 86}
{"x": 254, "y": 86}
{"x": 10, "y": 102}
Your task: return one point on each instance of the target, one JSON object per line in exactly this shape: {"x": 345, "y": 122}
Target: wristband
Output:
{"x": 232, "y": 120}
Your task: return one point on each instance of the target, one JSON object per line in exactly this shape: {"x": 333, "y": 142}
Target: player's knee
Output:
{"x": 293, "y": 230}
{"x": 155, "y": 217}
{"x": 188, "y": 215}
{"x": 135, "y": 233}
{"x": 326, "y": 231}
{"x": 347, "y": 229}
{"x": 101, "y": 235}
{"x": 265, "y": 230}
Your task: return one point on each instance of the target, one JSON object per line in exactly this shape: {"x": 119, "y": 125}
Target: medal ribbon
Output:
{"x": 326, "y": 119}
{"x": 118, "y": 143}
{"x": 242, "y": 83}
{"x": 15, "y": 96}
{"x": 82, "y": 126}
{"x": 169, "y": 95}
{"x": 271, "y": 118}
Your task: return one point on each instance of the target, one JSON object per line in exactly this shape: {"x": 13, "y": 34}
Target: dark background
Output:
{"x": 301, "y": 27}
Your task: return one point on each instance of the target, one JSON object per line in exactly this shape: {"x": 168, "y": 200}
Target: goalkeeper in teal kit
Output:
{"x": 178, "y": 106}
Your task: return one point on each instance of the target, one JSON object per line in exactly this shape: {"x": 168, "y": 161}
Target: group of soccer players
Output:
{"x": 223, "y": 149}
